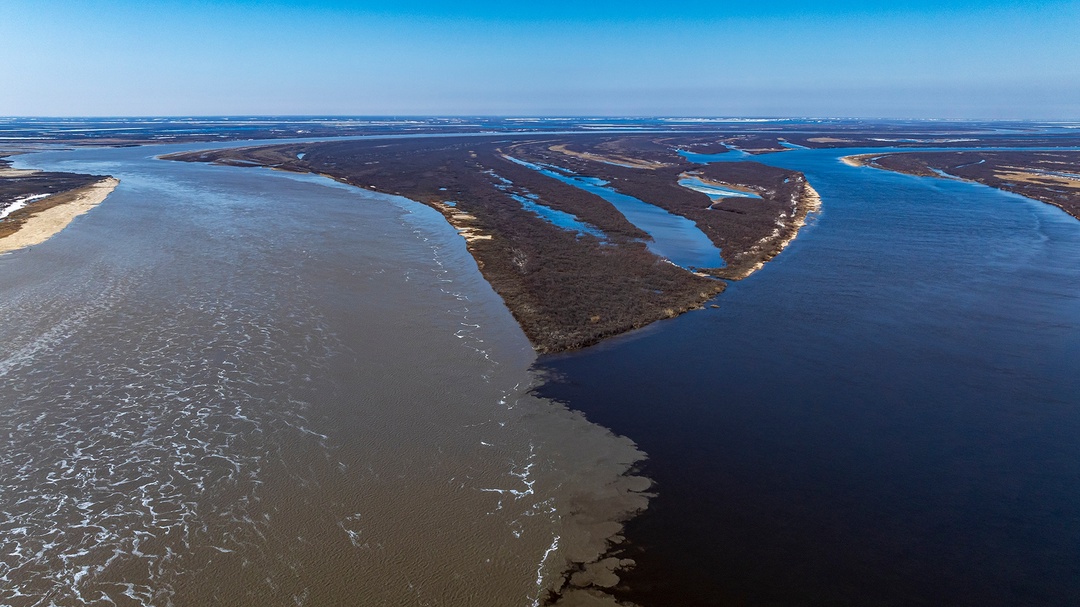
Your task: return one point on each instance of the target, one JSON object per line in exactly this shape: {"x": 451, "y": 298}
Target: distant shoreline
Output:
{"x": 1046, "y": 176}
{"x": 47, "y": 217}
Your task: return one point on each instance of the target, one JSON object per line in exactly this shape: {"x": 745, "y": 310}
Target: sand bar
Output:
{"x": 632, "y": 163}
{"x": 65, "y": 207}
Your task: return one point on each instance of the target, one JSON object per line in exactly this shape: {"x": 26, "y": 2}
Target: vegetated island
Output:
{"x": 586, "y": 274}
{"x": 1050, "y": 177}
{"x": 36, "y": 205}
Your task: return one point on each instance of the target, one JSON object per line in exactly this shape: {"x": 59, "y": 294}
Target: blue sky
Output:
{"x": 944, "y": 59}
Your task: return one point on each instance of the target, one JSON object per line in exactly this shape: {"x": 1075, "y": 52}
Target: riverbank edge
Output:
{"x": 863, "y": 160}
{"x": 858, "y": 160}
{"x": 808, "y": 203}
{"x": 589, "y": 564}
{"x": 47, "y": 217}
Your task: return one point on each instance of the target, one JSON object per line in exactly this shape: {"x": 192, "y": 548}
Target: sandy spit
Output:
{"x": 858, "y": 160}
{"x": 717, "y": 183}
{"x": 45, "y": 224}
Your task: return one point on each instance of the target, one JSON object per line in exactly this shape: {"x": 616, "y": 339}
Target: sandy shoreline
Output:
{"x": 10, "y": 172}
{"x": 60, "y": 209}
{"x": 857, "y": 160}
{"x": 809, "y": 202}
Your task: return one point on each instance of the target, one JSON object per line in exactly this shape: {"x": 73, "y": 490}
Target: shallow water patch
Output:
{"x": 531, "y": 202}
{"x": 674, "y": 237}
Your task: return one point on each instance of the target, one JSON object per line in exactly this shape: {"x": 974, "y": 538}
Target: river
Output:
{"x": 887, "y": 414}
{"x": 235, "y": 385}
{"x": 246, "y": 387}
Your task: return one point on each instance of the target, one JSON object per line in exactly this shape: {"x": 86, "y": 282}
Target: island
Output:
{"x": 570, "y": 266}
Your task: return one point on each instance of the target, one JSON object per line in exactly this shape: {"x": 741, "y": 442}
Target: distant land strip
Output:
{"x": 1050, "y": 177}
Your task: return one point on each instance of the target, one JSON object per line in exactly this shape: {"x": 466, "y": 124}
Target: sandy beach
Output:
{"x": 58, "y": 211}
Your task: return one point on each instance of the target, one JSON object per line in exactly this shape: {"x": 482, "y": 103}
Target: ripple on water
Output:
{"x": 145, "y": 450}
{"x": 221, "y": 411}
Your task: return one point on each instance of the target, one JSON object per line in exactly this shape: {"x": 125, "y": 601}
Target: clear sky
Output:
{"x": 901, "y": 59}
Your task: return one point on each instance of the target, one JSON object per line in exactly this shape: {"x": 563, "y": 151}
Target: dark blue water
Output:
{"x": 674, "y": 237}
{"x": 887, "y": 414}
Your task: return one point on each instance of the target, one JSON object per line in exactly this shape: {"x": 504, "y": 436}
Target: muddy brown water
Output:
{"x": 238, "y": 386}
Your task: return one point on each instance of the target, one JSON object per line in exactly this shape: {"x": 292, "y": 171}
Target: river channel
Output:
{"x": 887, "y": 414}
{"x": 239, "y": 386}
{"x": 245, "y": 387}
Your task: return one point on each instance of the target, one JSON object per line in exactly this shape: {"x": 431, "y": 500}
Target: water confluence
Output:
{"x": 210, "y": 385}
{"x": 887, "y": 415}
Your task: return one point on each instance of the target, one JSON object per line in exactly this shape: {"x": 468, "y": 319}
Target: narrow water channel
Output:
{"x": 674, "y": 237}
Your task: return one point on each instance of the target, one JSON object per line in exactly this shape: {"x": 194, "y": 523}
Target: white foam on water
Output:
{"x": 119, "y": 459}
{"x": 540, "y": 570}
{"x": 142, "y": 442}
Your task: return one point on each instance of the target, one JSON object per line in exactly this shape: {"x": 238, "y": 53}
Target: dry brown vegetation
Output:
{"x": 747, "y": 231}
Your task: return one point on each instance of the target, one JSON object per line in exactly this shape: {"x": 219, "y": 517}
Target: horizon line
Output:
{"x": 672, "y": 117}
